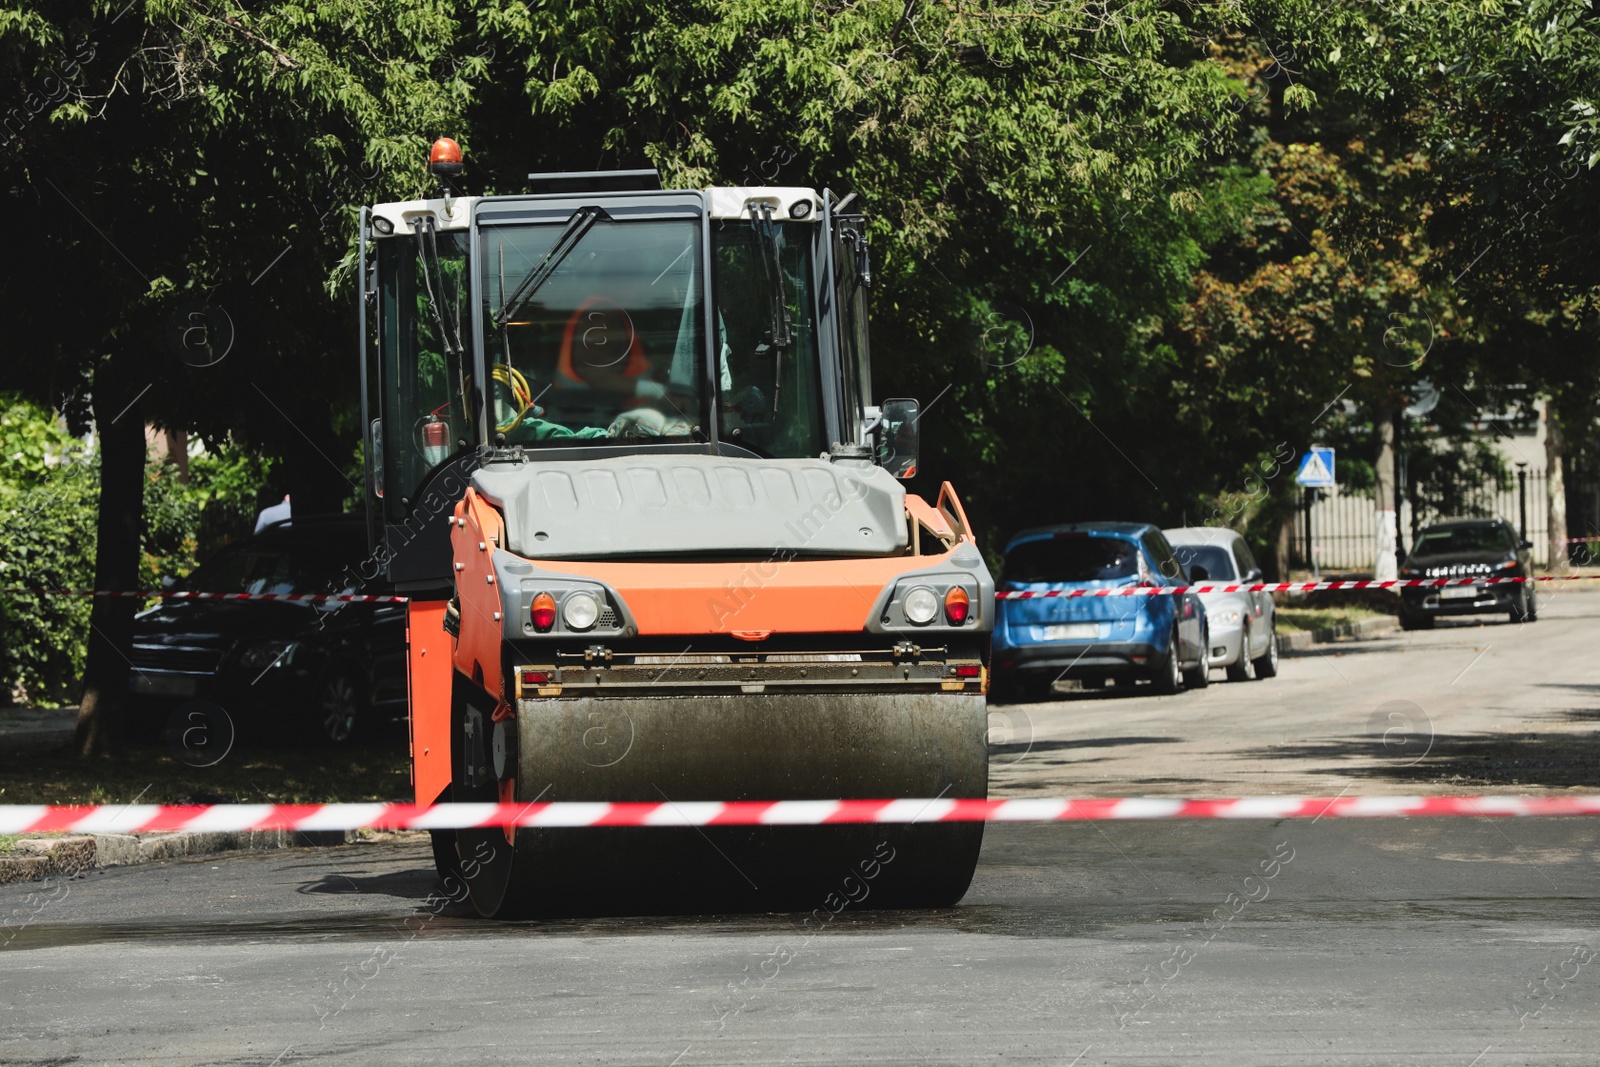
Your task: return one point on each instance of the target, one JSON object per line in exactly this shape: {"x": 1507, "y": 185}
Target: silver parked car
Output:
{"x": 1244, "y": 635}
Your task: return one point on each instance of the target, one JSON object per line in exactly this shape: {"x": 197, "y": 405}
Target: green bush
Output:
{"x": 49, "y": 492}
{"x": 49, "y": 486}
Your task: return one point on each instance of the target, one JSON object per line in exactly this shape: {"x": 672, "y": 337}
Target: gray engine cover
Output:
{"x": 674, "y": 505}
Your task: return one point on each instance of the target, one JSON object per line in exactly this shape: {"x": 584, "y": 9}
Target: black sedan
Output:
{"x": 1468, "y": 548}
{"x": 328, "y": 673}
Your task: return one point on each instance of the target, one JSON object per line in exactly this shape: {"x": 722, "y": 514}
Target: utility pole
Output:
{"x": 1522, "y": 501}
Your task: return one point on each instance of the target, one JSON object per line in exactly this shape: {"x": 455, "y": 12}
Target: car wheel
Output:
{"x": 1244, "y": 668}
{"x": 1266, "y": 664}
{"x": 1199, "y": 676}
{"x": 1522, "y": 610}
{"x": 1168, "y": 677}
{"x": 339, "y": 709}
{"x": 1037, "y": 690}
{"x": 1411, "y": 621}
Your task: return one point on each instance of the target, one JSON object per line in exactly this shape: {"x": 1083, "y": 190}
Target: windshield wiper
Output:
{"x": 772, "y": 268}
{"x": 578, "y": 224}
{"x": 433, "y": 285}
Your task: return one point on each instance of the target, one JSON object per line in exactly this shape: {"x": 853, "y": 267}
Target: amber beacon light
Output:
{"x": 444, "y": 158}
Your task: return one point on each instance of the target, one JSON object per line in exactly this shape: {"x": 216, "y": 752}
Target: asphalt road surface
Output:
{"x": 1469, "y": 942}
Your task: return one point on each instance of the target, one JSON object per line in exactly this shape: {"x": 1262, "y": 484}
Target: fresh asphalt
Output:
{"x": 1469, "y": 942}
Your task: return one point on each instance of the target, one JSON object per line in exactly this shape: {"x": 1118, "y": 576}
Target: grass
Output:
{"x": 154, "y": 775}
{"x": 1291, "y": 620}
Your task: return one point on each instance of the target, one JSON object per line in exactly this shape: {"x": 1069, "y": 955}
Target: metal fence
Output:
{"x": 1344, "y": 522}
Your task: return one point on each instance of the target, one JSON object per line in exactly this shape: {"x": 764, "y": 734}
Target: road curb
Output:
{"x": 34, "y": 858}
{"x": 1304, "y": 639}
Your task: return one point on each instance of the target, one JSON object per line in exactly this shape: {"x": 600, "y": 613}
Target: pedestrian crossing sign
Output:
{"x": 1316, "y": 469}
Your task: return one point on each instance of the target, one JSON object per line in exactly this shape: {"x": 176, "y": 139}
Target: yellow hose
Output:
{"x": 521, "y": 395}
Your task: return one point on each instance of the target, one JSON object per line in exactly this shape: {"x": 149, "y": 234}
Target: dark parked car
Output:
{"x": 1468, "y": 548}
{"x": 327, "y": 673}
{"x": 1038, "y": 641}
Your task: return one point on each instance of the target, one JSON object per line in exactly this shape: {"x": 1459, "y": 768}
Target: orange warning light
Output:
{"x": 444, "y": 150}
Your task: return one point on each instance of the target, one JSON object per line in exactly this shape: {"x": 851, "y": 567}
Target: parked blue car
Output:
{"x": 1161, "y": 638}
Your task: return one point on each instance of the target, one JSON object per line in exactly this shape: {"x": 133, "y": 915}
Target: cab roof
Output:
{"x": 727, "y": 202}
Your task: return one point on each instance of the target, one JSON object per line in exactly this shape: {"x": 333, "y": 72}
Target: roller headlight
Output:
{"x": 580, "y": 611}
{"x": 921, "y": 606}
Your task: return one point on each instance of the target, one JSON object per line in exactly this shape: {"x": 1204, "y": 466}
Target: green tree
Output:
{"x": 182, "y": 175}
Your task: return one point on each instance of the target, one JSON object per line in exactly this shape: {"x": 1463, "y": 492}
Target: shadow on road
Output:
{"x": 1088, "y": 742}
{"x": 1465, "y": 761}
{"x": 407, "y": 884}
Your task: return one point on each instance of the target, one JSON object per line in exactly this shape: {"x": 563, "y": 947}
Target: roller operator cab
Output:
{"x": 623, "y": 456}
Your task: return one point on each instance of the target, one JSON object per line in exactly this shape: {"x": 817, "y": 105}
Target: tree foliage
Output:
{"x": 1132, "y": 258}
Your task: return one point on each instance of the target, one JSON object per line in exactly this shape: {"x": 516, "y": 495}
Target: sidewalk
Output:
{"x": 32, "y": 858}
{"x": 28, "y": 727}
{"x": 29, "y": 858}
{"x": 1303, "y": 639}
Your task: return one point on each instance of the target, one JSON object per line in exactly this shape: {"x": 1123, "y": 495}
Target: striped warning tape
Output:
{"x": 1136, "y": 590}
{"x": 308, "y": 598}
{"x": 1276, "y": 587}
{"x": 146, "y": 818}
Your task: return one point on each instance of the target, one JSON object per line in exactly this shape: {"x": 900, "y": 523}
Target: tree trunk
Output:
{"x": 120, "y": 526}
{"x": 1280, "y": 557}
{"x": 1385, "y": 530}
{"x": 1555, "y": 483}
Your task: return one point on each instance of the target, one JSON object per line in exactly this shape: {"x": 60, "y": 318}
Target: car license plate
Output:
{"x": 1072, "y": 631}
{"x": 1459, "y": 592}
{"x": 163, "y": 685}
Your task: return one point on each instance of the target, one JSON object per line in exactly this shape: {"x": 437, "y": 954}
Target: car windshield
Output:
{"x": 1071, "y": 559}
{"x": 257, "y": 567}
{"x": 608, "y": 347}
{"x": 1437, "y": 542}
{"x": 1214, "y": 558}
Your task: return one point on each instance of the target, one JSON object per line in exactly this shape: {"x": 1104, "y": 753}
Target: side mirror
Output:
{"x": 1198, "y": 573}
{"x": 897, "y": 437}
{"x": 1524, "y": 544}
{"x": 1254, "y": 576}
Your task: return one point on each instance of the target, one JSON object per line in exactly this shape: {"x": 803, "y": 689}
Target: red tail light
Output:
{"x": 544, "y": 612}
{"x": 956, "y": 604}
{"x": 968, "y": 670}
{"x": 535, "y": 677}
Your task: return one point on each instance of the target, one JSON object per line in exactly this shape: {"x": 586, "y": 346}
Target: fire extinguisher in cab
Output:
{"x": 435, "y": 440}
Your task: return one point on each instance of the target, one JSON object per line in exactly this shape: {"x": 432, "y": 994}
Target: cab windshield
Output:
{"x": 607, "y": 346}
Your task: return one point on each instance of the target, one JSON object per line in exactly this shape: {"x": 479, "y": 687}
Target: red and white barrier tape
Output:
{"x": 1137, "y": 590}
{"x": 146, "y": 818}
{"x": 1277, "y": 587}
{"x": 308, "y": 598}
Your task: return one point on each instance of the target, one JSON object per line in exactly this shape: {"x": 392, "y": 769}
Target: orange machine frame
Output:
{"x": 745, "y": 600}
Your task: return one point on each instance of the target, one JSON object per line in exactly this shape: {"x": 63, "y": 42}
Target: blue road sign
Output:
{"x": 1316, "y": 469}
